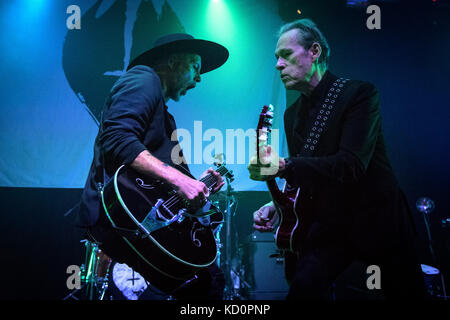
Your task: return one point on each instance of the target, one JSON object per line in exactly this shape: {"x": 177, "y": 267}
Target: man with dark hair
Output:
{"x": 137, "y": 130}
{"x": 349, "y": 197}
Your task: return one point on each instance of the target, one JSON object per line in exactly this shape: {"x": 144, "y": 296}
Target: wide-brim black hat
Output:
{"x": 213, "y": 54}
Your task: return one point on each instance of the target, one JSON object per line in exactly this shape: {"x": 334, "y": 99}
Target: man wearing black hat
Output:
{"x": 136, "y": 130}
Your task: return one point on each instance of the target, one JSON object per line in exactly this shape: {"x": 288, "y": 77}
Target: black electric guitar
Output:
{"x": 173, "y": 241}
{"x": 287, "y": 201}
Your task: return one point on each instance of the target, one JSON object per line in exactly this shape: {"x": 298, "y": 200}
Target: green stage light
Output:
{"x": 220, "y": 21}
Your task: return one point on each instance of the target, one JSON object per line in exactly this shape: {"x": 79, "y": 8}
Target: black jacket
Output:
{"x": 350, "y": 185}
{"x": 135, "y": 119}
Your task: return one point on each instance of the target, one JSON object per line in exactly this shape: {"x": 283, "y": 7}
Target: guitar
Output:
{"x": 173, "y": 240}
{"x": 292, "y": 224}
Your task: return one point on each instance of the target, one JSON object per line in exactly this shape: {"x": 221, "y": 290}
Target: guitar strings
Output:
{"x": 177, "y": 200}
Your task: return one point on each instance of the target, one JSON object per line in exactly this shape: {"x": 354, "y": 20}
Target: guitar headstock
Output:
{"x": 264, "y": 128}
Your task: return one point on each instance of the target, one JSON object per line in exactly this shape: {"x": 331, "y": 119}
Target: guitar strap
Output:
{"x": 319, "y": 125}
{"x": 321, "y": 121}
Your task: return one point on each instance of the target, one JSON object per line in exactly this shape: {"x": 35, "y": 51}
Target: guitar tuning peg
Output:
{"x": 219, "y": 159}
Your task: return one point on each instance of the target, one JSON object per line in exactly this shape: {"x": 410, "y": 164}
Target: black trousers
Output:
{"x": 320, "y": 263}
{"x": 207, "y": 284}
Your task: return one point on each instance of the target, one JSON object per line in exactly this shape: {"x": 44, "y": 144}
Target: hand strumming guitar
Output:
{"x": 265, "y": 218}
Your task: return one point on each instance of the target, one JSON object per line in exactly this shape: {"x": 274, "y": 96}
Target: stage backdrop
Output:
{"x": 56, "y": 80}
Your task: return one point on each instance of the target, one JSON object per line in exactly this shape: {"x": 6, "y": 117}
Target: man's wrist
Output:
{"x": 282, "y": 167}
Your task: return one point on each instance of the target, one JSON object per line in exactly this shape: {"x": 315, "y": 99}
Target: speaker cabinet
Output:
{"x": 266, "y": 268}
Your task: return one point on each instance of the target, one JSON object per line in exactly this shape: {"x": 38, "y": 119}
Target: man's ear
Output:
{"x": 316, "y": 51}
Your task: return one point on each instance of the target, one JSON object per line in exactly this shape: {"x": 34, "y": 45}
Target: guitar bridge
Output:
{"x": 155, "y": 220}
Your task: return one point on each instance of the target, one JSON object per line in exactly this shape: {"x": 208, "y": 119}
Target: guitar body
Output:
{"x": 292, "y": 227}
{"x": 146, "y": 213}
{"x": 285, "y": 203}
{"x": 293, "y": 222}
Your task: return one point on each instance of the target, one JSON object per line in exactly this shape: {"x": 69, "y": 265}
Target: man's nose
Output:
{"x": 197, "y": 77}
{"x": 280, "y": 64}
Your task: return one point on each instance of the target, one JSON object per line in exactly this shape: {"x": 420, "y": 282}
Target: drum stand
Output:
{"x": 233, "y": 277}
{"x": 93, "y": 274}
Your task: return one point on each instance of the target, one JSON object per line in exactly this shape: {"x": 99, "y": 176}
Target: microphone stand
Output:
{"x": 230, "y": 288}
{"x": 426, "y": 206}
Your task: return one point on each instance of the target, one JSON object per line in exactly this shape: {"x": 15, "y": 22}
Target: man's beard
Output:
{"x": 174, "y": 91}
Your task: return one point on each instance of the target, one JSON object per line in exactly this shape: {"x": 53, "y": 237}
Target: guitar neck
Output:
{"x": 209, "y": 180}
{"x": 276, "y": 193}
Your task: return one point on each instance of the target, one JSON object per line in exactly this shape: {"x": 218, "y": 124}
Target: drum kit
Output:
{"x": 94, "y": 274}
